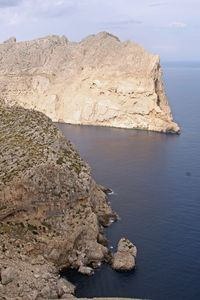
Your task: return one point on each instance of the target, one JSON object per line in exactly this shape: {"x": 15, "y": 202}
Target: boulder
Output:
{"x": 96, "y": 251}
{"x": 67, "y": 296}
{"x": 64, "y": 287}
{"x": 85, "y": 270}
{"x": 124, "y": 258}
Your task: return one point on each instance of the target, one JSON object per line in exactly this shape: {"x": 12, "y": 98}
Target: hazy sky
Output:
{"x": 170, "y": 28}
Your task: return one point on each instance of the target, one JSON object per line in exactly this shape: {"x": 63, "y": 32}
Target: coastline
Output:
{"x": 51, "y": 210}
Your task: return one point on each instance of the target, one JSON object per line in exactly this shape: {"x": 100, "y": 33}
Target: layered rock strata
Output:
{"x": 51, "y": 210}
{"x": 98, "y": 81}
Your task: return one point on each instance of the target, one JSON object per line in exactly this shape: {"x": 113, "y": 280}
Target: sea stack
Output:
{"x": 124, "y": 258}
{"x": 98, "y": 81}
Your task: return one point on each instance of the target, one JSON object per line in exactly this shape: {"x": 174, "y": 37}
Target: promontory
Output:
{"x": 98, "y": 81}
{"x": 51, "y": 210}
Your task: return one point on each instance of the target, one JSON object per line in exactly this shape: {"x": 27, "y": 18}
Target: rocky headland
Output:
{"x": 51, "y": 210}
{"x": 98, "y": 81}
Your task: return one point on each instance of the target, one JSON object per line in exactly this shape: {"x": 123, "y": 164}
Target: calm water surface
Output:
{"x": 156, "y": 183}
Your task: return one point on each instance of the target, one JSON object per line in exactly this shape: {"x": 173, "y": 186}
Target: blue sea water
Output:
{"x": 156, "y": 183}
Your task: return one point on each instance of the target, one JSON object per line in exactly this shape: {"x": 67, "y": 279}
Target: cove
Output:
{"x": 156, "y": 183}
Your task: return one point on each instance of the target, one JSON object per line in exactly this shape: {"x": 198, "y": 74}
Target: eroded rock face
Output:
{"x": 51, "y": 210}
{"x": 7, "y": 275}
{"x": 99, "y": 81}
{"x": 124, "y": 258}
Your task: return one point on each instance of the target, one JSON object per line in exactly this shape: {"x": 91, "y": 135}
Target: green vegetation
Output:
{"x": 31, "y": 227}
{"x": 16, "y": 230}
{"x": 44, "y": 223}
{"x": 29, "y": 138}
{"x": 3, "y": 207}
{"x": 59, "y": 161}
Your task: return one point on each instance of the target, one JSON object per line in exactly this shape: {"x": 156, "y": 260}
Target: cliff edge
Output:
{"x": 98, "y": 81}
{"x": 51, "y": 210}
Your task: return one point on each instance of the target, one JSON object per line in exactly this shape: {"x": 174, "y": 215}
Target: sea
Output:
{"x": 155, "y": 180}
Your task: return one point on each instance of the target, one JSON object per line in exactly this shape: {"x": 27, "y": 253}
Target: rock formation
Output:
{"x": 124, "y": 258}
{"x": 51, "y": 210}
{"x": 98, "y": 81}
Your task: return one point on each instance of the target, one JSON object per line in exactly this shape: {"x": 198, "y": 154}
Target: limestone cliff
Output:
{"x": 51, "y": 210}
{"x": 98, "y": 81}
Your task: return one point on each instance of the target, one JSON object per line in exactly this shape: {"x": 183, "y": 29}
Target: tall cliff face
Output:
{"x": 98, "y": 81}
{"x": 51, "y": 210}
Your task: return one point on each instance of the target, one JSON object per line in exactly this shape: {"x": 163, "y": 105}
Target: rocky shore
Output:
{"x": 98, "y": 81}
{"x": 51, "y": 210}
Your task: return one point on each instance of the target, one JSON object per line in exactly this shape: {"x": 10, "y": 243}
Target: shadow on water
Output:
{"x": 156, "y": 183}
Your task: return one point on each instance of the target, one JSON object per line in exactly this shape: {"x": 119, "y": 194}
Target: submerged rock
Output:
{"x": 98, "y": 81}
{"x": 124, "y": 258}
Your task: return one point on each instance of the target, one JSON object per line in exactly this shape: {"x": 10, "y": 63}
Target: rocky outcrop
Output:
{"x": 98, "y": 81}
{"x": 85, "y": 270}
{"x": 124, "y": 258}
{"x": 51, "y": 210}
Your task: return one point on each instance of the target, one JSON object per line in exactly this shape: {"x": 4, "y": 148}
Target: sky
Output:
{"x": 170, "y": 28}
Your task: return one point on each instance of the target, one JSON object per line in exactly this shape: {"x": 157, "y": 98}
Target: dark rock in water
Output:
{"x": 105, "y": 189}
